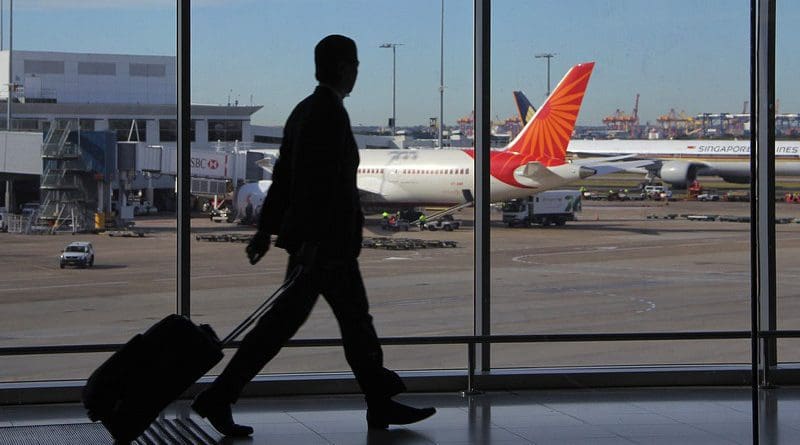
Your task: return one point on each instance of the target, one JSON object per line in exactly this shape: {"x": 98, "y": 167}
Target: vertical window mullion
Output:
{"x": 482, "y": 197}
{"x": 184, "y": 157}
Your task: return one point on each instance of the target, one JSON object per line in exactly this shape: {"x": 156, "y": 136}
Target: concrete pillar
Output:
{"x": 100, "y": 197}
{"x": 151, "y": 131}
{"x": 247, "y": 132}
{"x": 148, "y": 192}
{"x": 201, "y": 133}
{"x": 10, "y": 204}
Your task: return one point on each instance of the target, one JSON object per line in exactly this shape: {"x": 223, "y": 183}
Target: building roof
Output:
{"x": 135, "y": 110}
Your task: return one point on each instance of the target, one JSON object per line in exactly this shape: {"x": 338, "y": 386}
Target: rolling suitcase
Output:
{"x": 128, "y": 391}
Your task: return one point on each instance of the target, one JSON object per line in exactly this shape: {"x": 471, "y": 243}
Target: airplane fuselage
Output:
{"x": 726, "y": 158}
{"x": 439, "y": 177}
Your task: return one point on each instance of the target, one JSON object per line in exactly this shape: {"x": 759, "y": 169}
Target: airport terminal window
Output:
{"x": 623, "y": 260}
{"x": 787, "y": 192}
{"x": 621, "y": 266}
{"x": 168, "y": 130}
{"x": 87, "y": 124}
{"x": 224, "y": 130}
{"x": 122, "y": 127}
{"x": 49, "y": 297}
{"x": 24, "y": 124}
{"x": 43, "y": 67}
{"x": 268, "y": 139}
{"x": 97, "y": 68}
{"x": 147, "y": 70}
{"x": 410, "y": 292}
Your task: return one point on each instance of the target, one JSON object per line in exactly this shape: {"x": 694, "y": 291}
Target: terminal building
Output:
{"x": 134, "y": 98}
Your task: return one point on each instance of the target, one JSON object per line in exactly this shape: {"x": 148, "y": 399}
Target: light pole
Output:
{"x": 441, "y": 81}
{"x": 10, "y": 58}
{"x": 393, "y": 46}
{"x": 547, "y": 56}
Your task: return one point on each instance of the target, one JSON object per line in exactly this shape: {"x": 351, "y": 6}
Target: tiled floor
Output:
{"x": 681, "y": 416}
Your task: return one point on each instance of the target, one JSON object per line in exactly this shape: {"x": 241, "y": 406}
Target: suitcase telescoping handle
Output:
{"x": 264, "y": 307}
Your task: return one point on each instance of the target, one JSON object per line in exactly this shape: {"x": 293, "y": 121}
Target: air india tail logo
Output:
{"x": 546, "y": 138}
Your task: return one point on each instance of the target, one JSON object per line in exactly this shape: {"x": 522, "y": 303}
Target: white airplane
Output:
{"x": 680, "y": 162}
{"x": 534, "y": 161}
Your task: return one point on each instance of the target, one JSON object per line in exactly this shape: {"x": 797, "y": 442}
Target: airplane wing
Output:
{"x": 604, "y": 168}
{"x": 585, "y": 161}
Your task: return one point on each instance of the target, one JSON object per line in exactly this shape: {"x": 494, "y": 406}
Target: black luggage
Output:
{"x": 130, "y": 389}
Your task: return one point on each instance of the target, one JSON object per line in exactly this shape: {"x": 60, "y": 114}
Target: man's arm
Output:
{"x": 317, "y": 188}
{"x": 274, "y": 205}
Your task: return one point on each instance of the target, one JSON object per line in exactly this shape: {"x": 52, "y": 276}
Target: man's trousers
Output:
{"x": 340, "y": 283}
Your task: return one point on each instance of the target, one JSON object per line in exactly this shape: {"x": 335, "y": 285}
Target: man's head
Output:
{"x": 336, "y": 61}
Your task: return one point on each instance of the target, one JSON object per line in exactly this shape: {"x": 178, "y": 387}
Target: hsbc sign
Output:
{"x": 210, "y": 165}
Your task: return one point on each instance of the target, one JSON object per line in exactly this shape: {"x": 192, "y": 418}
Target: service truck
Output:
{"x": 544, "y": 208}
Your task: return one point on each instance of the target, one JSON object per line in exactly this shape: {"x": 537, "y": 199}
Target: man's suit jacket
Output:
{"x": 313, "y": 196}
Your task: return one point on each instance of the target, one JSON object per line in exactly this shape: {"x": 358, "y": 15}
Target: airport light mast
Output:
{"x": 547, "y": 56}
{"x": 393, "y": 46}
{"x": 441, "y": 81}
{"x": 11, "y": 86}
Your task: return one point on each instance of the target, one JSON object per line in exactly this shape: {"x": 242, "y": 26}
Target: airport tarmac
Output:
{"x": 616, "y": 269}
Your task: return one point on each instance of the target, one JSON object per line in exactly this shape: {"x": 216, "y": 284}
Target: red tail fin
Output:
{"x": 546, "y": 136}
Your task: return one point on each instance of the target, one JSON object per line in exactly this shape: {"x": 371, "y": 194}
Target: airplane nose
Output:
{"x": 585, "y": 172}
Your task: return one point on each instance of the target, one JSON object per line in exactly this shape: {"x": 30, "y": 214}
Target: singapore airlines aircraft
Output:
{"x": 679, "y": 162}
{"x": 534, "y": 161}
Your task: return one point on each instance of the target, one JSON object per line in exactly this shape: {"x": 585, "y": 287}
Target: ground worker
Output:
{"x": 422, "y": 220}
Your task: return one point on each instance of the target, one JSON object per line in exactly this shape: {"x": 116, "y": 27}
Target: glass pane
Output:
{"x": 69, "y": 178}
{"x": 609, "y": 231}
{"x": 414, "y": 288}
{"x": 622, "y": 353}
{"x": 787, "y": 169}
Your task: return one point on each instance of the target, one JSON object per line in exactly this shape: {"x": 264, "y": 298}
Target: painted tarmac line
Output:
{"x": 58, "y": 286}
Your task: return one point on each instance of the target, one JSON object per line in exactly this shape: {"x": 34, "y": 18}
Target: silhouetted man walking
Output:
{"x": 314, "y": 208}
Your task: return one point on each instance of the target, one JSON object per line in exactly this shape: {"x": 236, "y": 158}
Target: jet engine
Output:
{"x": 678, "y": 173}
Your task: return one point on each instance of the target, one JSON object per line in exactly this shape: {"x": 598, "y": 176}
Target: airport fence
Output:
{"x": 18, "y": 223}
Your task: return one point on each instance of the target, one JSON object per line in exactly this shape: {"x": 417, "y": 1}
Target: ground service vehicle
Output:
{"x": 447, "y": 225}
{"x": 545, "y": 208}
{"x": 708, "y": 196}
{"x": 657, "y": 192}
{"x": 78, "y": 253}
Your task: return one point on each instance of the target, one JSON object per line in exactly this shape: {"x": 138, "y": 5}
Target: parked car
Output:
{"x": 78, "y": 253}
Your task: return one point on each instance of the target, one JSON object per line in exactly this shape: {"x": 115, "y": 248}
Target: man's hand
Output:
{"x": 258, "y": 247}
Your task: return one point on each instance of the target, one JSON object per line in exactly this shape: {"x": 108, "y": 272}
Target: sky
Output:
{"x": 690, "y": 55}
